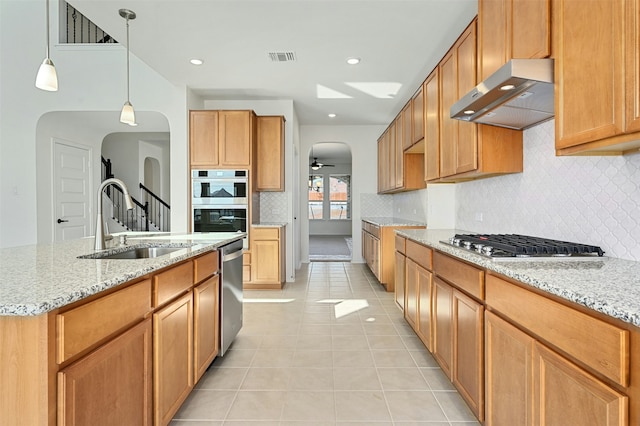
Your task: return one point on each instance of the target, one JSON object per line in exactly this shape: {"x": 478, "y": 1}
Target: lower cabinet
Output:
{"x": 424, "y": 290}
{"x": 206, "y": 336}
{"x": 529, "y": 384}
{"x": 442, "y": 324}
{"x": 110, "y": 386}
{"x": 267, "y": 258}
{"x": 400, "y": 284}
{"x": 411, "y": 294}
{"x": 173, "y": 357}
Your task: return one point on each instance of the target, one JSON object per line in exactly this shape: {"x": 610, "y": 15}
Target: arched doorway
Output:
{"x": 329, "y": 202}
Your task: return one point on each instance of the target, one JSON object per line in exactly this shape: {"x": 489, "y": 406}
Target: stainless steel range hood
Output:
{"x": 517, "y": 96}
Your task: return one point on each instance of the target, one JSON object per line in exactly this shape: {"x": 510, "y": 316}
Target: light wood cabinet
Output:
{"x": 425, "y": 291}
{"x": 432, "y": 126}
{"x": 110, "y": 386}
{"x": 411, "y": 294}
{"x": 206, "y": 326}
{"x": 399, "y": 170}
{"x": 468, "y": 350}
{"x": 398, "y": 180}
{"x": 417, "y": 116}
{"x": 172, "y": 357}
{"x": 509, "y": 29}
{"x": 468, "y": 150}
{"x": 270, "y": 153}
{"x": 509, "y": 374}
{"x": 371, "y": 252}
{"x": 442, "y": 325}
{"x": 400, "y": 279}
{"x": 222, "y": 139}
{"x": 267, "y": 258}
{"x": 596, "y": 52}
{"x": 564, "y": 391}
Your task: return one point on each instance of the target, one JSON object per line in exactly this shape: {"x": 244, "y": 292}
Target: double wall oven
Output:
{"x": 219, "y": 201}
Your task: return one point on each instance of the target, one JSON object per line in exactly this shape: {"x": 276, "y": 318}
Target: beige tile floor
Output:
{"x": 330, "y": 349}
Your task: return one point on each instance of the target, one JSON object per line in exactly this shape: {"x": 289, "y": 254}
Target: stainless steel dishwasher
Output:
{"x": 231, "y": 296}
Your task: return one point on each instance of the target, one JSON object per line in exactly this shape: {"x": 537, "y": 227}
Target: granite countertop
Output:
{"x": 392, "y": 221}
{"x": 606, "y": 284}
{"x": 36, "y": 279}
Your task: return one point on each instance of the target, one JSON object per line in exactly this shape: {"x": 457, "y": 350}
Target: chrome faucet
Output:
{"x": 100, "y": 245}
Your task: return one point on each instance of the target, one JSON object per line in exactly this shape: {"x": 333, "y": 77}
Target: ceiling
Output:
{"x": 398, "y": 41}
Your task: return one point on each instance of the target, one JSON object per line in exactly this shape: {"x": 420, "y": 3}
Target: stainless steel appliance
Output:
{"x": 517, "y": 96}
{"x": 219, "y": 201}
{"x": 513, "y": 247}
{"x": 231, "y": 297}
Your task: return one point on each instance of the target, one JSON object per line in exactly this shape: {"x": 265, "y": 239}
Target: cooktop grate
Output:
{"x": 525, "y": 245}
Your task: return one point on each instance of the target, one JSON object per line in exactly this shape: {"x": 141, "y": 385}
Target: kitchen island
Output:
{"x": 123, "y": 340}
{"x": 548, "y": 340}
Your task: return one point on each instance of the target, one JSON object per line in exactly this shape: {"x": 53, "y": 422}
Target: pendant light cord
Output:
{"x": 128, "y": 99}
{"x": 48, "y": 40}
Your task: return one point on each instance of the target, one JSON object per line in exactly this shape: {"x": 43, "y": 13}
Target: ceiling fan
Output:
{"x": 316, "y": 165}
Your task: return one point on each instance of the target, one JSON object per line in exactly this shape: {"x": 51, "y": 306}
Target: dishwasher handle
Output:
{"x": 230, "y": 256}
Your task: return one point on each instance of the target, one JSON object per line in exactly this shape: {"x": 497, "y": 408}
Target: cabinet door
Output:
{"x": 203, "y": 138}
{"x": 530, "y": 29}
{"x": 432, "y": 126}
{"x": 391, "y": 157}
{"x": 399, "y": 152}
{"x": 589, "y": 70}
{"x": 117, "y": 374}
{"x": 400, "y": 281}
{"x": 381, "y": 178}
{"x": 448, "y": 126}
{"x": 442, "y": 325}
{"x": 632, "y": 41}
{"x": 236, "y": 133}
{"x": 270, "y": 153}
{"x": 508, "y": 374}
{"x": 417, "y": 116}
{"x": 172, "y": 357}
{"x": 566, "y": 394}
{"x": 206, "y": 326}
{"x": 468, "y": 355}
{"x": 467, "y": 141}
{"x": 265, "y": 261}
{"x": 425, "y": 289}
{"x": 493, "y": 35}
{"x": 411, "y": 296}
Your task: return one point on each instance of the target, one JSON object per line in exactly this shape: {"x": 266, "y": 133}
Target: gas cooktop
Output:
{"x": 523, "y": 247}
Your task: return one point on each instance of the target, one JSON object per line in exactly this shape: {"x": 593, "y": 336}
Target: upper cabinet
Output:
{"x": 417, "y": 116}
{"x": 221, "y": 139}
{"x": 270, "y": 153}
{"x": 466, "y": 150}
{"x": 597, "y": 49}
{"x": 431, "y": 90}
{"x": 509, "y": 29}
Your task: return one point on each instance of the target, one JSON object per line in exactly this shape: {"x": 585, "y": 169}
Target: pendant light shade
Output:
{"x": 47, "y": 78}
{"x": 128, "y": 115}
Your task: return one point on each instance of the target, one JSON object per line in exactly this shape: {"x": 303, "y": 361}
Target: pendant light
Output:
{"x": 128, "y": 115}
{"x": 47, "y": 78}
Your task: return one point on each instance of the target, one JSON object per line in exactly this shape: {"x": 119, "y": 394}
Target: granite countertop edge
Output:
{"x": 40, "y": 278}
{"x": 392, "y": 221}
{"x": 607, "y": 285}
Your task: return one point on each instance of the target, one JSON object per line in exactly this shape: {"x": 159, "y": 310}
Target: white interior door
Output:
{"x": 71, "y": 190}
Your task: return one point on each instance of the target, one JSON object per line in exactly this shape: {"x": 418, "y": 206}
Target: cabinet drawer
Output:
{"x": 265, "y": 233}
{"x": 400, "y": 244}
{"x": 460, "y": 274}
{"x": 169, "y": 284}
{"x": 372, "y": 229}
{"x": 246, "y": 273}
{"x": 205, "y": 266}
{"x": 246, "y": 258}
{"x": 420, "y": 254}
{"x": 599, "y": 345}
{"x": 86, "y": 325}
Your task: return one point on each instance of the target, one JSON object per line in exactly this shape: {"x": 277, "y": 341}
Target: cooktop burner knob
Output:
{"x": 478, "y": 247}
{"x": 456, "y": 241}
{"x": 487, "y": 250}
{"x": 467, "y": 244}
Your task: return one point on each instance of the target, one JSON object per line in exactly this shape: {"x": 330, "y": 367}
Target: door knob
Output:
{"x": 62, "y": 220}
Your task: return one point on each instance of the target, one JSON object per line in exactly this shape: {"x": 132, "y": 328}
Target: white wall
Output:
{"x": 91, "y": 79}
{"x": 362, "y": 141}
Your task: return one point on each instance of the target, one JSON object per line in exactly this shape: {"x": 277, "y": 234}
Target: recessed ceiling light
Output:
{"x": 353, "y": 61}
{"x": 332, "y": 115}
{"x": 197, "y": 61}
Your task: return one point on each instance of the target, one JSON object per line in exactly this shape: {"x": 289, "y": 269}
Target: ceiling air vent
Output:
{"x": 282, "y": 56}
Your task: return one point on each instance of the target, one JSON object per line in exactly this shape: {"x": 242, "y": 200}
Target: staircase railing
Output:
{"x": 80, "y": 29}
{"x": 159, "y": 211}
{"x": 135, "y": 219}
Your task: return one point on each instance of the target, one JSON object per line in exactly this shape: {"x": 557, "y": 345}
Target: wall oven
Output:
{"x": 219, "y": 201}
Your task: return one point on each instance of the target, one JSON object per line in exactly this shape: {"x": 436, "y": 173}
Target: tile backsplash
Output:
{"x": 273, "y": 207}
{"x": 592, "y": 200}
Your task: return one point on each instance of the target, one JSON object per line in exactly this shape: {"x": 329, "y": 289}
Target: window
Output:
{"x": 316, "y": 196}
{"x": 337, "y": 205}
{"x": 340, "y": 196}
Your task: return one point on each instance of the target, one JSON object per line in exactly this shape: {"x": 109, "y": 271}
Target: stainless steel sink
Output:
{"x": 134, "y": 253}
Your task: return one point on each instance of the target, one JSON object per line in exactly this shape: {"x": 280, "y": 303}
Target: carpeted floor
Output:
{"x": 330, "y": 247}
